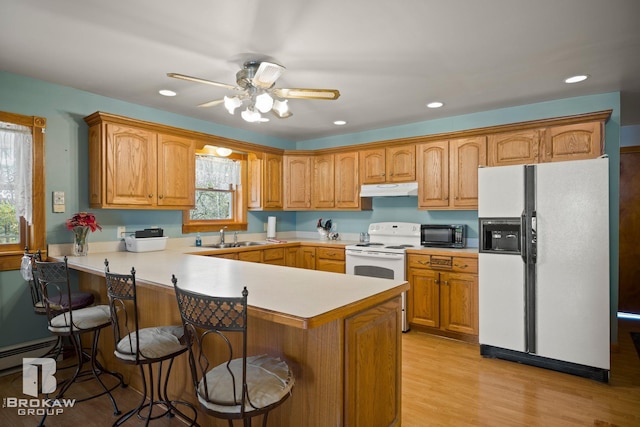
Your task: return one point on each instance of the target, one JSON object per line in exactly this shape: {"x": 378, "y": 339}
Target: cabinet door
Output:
{"x": 307, "y": 258}
{"x": 272, "y": 182}
{"x": 297, "y": 182}
{"x": 176, "y": 171}
{"x": 347, "y": 181}
{"x": 513, "y": 148}
{"x": 433, "y": 174}
{"x": 323, "y": 185}
{"x": 264, "y": 181}
{"x": 251, "y": 256}
{"x": 573, "y": 142}
{"x": 459, "y": 293}
{"x": 329, "y": 259}
{"x": 401, "y": 163}
{"x": 273, "y": 256}
{"x": 372, "y": 166}
{"x": 291, "y": 255}
{"x": 254, "y": 180}
{"x": 467, "y": 155}
{"x": 130, "y": 166}
{"x": 424, "y": 297}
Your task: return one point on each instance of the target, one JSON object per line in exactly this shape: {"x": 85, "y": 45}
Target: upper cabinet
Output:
{"x": 514, "y": 148}
{"x": 297, "y": 181}
{"x": 448, "y": 173}
{"x": 265, "y": 181}
{"x": 133, "y": 167}
{"x": 390, "y": 164}
{"x": 576, "y": 141}
{"x": 323, "y": 183}
{"x": 573, "y": 142}
{"x": 347, "y": 182}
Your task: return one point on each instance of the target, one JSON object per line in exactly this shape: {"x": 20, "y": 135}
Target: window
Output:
{"x": 219, "y": 198}
{"x": 26, "y": 229}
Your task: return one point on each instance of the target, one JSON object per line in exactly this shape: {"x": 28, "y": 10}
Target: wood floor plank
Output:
{"x": 444, "y": 383}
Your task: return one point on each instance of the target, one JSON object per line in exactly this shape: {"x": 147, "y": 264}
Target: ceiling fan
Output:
{"x": 255, "y": 84}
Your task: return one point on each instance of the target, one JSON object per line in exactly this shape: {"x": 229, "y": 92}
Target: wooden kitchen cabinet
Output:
{"x": 307, "y": 257}
{"x": 390, "y": 164}
{"x": 443, "y": 297}
{"x": 132, "y": 167}
{"x": 330, "y": 259}
{"x": 347, "y": 182}
{"x": 448, "y": 173}
{"x": 275, "y": 256}
{"x": 264, "y": 181}
{"x": 297, "y": 182}
{"x": 576, "y": 141}
{"x": 514, "y": 148}
{"x": 573, "y": 142}
{"x": 323, "y": 183}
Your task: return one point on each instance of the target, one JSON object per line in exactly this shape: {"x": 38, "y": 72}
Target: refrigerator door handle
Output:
{"x": 523, "y": 237}
{"x": 534, "y": 238}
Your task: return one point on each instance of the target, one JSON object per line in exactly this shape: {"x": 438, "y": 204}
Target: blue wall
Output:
{"x": 67, "y": 170}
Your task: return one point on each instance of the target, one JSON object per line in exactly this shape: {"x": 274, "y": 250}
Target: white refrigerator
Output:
{"x": 543, "y": 265}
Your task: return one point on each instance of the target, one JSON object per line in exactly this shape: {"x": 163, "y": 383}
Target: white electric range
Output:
{"x": 384, "y": 255}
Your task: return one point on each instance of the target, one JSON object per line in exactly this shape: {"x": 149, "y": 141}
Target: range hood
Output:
{"x": 389, "y": 190}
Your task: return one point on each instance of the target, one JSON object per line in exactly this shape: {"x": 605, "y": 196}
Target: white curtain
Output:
{"x": 15, "y": 168}
{"x": 218, "y": 173}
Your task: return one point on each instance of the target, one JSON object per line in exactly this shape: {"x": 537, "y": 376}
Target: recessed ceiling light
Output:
{"x": 167, "y": 92}
{"x": 435, "y": 104}
{"x": 577, "y": 79}
{"x": 339, "y": 123}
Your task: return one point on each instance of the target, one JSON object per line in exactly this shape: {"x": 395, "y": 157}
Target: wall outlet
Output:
{"x": 122, "y": 231}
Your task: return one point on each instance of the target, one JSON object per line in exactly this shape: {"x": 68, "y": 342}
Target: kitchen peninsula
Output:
{"x": 339, "y": 333}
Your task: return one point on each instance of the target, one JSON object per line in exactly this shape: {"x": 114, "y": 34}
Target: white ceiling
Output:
{"x": 387, "y": 58}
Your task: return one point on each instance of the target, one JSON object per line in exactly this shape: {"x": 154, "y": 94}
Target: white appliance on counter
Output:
{"x": 544, "y": 265}
{"x": 384, "y": 255}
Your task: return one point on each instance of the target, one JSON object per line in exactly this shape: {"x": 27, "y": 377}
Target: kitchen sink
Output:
{"x": 234, "y": 245}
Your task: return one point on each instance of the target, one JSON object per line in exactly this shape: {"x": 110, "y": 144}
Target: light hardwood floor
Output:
{"x": 447, "y": 383}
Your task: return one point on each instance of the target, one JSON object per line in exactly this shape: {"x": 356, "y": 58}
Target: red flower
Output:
{"x": 83, "y": 219}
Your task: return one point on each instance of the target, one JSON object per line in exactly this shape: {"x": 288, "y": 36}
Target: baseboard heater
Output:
{"x": 11, "y": 356}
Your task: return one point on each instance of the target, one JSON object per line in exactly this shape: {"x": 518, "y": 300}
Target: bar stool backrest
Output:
{"x": 52, "y": 278}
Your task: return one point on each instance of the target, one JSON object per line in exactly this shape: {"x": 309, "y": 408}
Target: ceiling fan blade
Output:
{"x": 267, "y": 74}
{"x": 199, "y": 80}
{"x": 212, "y": 103}
{"x": 328, "y": 94}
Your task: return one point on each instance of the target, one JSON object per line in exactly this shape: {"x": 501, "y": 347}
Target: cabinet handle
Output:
{"x": 150, "y": 195}
{"x": 160, "y": 196}
{"x": 437, "y": 281}
{"x": 446, "y": 283}
{"x": 462, "y": 265}
{"x": 424, "y": 262}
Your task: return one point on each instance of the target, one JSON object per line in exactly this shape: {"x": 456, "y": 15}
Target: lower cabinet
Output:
{"x": 330, "y": 259}
{"x": 443, "y": 297}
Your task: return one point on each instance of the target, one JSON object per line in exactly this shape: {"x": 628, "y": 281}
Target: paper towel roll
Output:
{"x": 271, "y": 227}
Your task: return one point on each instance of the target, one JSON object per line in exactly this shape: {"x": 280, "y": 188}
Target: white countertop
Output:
{"x": 285, "y": 290}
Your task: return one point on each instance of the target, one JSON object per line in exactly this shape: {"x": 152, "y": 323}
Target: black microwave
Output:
{"x": 442, "y": 236}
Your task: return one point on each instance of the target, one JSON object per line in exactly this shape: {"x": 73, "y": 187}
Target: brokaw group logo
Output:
{"x": 38, "y": 377}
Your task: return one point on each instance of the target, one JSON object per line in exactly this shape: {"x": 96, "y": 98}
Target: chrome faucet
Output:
{"x": 222, "y": 234}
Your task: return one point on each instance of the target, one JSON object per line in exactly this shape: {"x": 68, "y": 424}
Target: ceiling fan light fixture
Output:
{"x": 264, "y": 102}
{"x": 281, "y": 109}
{"x": 251, "y": 116}
{"x": 267, "y": 74}
{"x": 231, "y": 103}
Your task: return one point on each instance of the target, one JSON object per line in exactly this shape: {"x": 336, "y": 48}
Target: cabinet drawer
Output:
{"x": 465, "y": 265}
{"x": 330, "y": 253}
{"x": 420, "y": 261}
{"x": 273, "y": 254}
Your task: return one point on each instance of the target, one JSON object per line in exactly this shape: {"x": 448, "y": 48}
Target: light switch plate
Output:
{"x": 58, "y": 201}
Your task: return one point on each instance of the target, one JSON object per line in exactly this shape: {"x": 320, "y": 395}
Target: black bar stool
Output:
{"x": 66, "y": 321}
{"x": 238, "y": 388}
{"x": 144, "y": 347}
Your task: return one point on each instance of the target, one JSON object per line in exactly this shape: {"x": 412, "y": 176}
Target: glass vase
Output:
{"x": 80, "y": 244}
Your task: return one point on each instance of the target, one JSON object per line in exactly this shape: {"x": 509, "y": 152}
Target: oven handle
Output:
{"x": 365, "y": 254}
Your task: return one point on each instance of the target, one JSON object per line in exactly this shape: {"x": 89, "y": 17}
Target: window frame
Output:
{"x": 240, "y": 207}
{"x": 32, "y": 236}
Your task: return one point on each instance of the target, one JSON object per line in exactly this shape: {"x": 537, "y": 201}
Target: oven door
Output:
{"x": 379, "y": 264}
